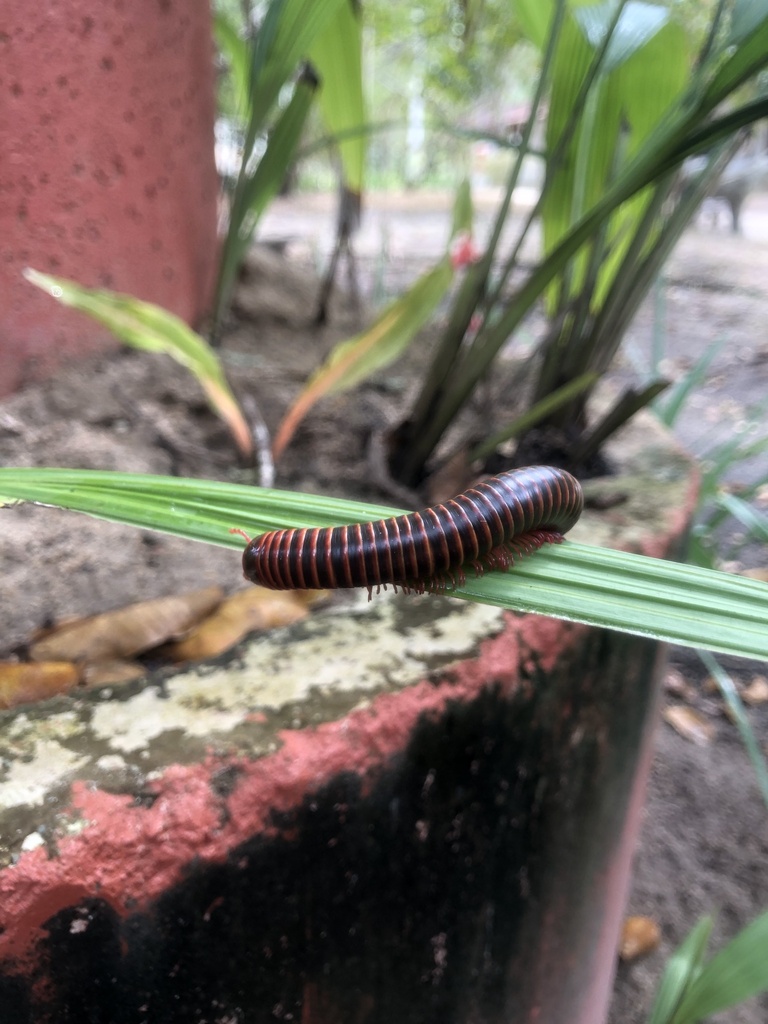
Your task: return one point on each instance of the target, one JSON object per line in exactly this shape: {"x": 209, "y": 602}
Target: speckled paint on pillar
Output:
{"x": 107, "y": 172}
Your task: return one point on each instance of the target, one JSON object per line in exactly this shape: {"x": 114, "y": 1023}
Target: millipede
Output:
{"x": 484, "y": 529}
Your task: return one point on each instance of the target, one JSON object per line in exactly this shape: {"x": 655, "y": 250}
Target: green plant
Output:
{"x": 392, "y": 331}
{"x": 711, "y": 542}
{"x": 718, "y": 504}
{"x": 323, "y": 40}
{"x": 624, "y": 112}
{"x": 691, "y": 989}
{"x": 146, "y": 326}
{"x": 738, "y": 714}
{"x": 715, "y": 504}
{"x": 262, "y": 64}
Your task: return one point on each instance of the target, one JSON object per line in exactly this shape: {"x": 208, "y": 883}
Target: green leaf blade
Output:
{"x": 737, "y": 972}
{"x": 680, "y": 971}
{"x": 669, "y": 601}
{"x": 336, "y": 54}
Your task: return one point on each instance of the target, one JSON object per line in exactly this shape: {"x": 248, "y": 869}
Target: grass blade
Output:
{"x": 644, "y": 596}
{"x": 670, "y": 408}
{"x": 734, "y": 703}
{"x": 737, "y": 972}
{"x": 336, "y": 54}
{"x": 756, "y": 524}
{"x": 681, "y": 969}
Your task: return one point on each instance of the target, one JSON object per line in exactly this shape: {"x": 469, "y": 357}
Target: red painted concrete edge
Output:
{"x": 128, "y": 855}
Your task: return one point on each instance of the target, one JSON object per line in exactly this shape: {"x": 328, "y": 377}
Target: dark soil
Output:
{"x": 704, "y": 847}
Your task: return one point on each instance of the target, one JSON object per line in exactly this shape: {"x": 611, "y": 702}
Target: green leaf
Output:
{"x": 534, "y": 415}
{"x": 289, "y": 28}
{"x": 756, "y": 524}
{"x": 380, "y": 344}
{"x": 284, "y": 38}
{"x": 748, "y": 16}
{"x": 739, "y": 715}
{"x": 644, "y": 596}
{"x": 336, "y": 54}
{"x": 571, "y": 64}
{"x": 624, "y": 108}
{"x": 745, "y": 60}
{"x": 235, "y": 49}
{"x": 681, "y": 969}
{"x": 146, "y": 326}
{"x": 463, "y": 215}
{"x": 385, "y": 340}
{"x": 255, "y": 191}
{"x": 592, "y": 223}
{"x": 737, "y": 972}
{"x": 264, "y": 184}
{"x": 535, "y": 17}
{"x": 677, "y": 397}
{"x": 637, "y": 25}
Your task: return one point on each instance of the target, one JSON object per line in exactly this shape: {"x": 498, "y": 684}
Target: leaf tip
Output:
{"x": 43, "y": 281}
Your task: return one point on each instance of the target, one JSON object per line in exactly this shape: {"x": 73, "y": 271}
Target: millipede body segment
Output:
{"x": 513, "y": 513}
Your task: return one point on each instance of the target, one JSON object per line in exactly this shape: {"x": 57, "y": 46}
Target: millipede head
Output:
{"x": 253, "y": 563}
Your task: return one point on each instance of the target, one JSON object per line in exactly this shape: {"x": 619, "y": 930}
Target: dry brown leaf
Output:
{"x": 43, "y": 631}
{"x": 757, "y": 574}
{"x": 248, "y": 610}
{"x": 756, "y": 692}
{"x": 675, "y": 683}
{"x": 25, "y": 683}
{"x": 127, "y": 631}
{"x": 689, "y": 724}
{"x": 639, "y": 936}
{"x": 112, "y": 673}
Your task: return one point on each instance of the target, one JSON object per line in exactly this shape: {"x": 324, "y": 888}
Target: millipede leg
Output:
{"x": 235, "y": 529}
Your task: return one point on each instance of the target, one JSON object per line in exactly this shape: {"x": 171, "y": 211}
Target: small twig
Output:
{"x": 261, "y": 441}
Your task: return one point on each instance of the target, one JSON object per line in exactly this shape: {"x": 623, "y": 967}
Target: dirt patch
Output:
{"x": 705, "y": 844}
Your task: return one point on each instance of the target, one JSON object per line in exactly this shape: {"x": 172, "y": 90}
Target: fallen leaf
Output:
{"x": 639, "y": 936}
{"x": 757, "y": 574}
{"x": 675, "y": 683}
{"x": 112, "y": 673}
{"x": 756, "y": 692}
{"x": 40, "y": 632}
{"x": 252, "y": 609}
{"x": 689, "y": 724}
{"x": 25, "y": 683}
{"x": 127, "y": 631}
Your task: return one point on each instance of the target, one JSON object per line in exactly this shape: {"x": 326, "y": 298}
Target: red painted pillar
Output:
{"x": 107, "y": 172}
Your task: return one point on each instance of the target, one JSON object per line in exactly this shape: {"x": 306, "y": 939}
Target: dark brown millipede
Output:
{"x": 513, "y": 513}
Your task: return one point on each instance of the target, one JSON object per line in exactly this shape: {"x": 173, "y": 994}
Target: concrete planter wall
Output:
{"x": 107, "y": 173}
{"x": 414, "y": 810}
